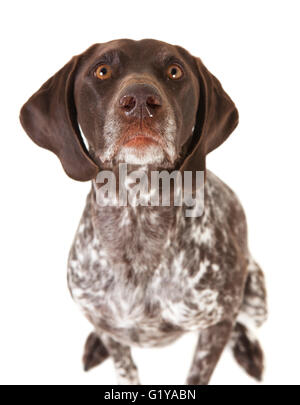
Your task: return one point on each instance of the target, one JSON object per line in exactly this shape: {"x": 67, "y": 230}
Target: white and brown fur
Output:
{"x": 146, "y": 275}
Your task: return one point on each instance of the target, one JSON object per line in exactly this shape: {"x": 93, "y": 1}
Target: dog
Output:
{"x": 145, "y": 275}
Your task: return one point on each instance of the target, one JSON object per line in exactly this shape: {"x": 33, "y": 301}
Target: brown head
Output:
{"x": 138, "y": 102}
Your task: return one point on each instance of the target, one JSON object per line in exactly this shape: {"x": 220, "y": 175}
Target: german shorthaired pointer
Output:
{"x": 144, "y": 275}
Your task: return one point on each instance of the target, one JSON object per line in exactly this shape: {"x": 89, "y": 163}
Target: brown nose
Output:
{"x": 140, "y": 100}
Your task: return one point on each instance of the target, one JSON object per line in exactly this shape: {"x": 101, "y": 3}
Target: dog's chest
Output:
{"x": 147, "y": 300}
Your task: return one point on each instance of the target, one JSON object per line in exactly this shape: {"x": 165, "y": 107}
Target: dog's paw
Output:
{"x": 94, "y": 352}
{"x": 248, "y": 352}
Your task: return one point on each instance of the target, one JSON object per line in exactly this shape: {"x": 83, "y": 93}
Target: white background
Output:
{"x": 253, "y": 48}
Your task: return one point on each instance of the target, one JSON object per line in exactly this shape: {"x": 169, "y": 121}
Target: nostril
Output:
{"x": 153, "y": 102}
{"x": 128, "y": 103}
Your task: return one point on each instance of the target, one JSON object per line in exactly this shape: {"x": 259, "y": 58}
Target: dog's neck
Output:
{"x": 135, "y": 235}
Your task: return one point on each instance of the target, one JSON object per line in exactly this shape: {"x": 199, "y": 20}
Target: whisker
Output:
{"x": 149, "y": 113}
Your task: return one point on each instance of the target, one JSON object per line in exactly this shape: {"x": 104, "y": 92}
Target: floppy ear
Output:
{"x": 49, "y": 118}
{"x": 217, "y": 117}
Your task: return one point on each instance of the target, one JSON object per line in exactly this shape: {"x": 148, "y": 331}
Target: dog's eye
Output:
{"x": 174, "y": 72}
{"x": 103, "y": 72}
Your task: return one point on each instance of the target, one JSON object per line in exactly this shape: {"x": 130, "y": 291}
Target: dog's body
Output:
{"x": 146, "y": 275}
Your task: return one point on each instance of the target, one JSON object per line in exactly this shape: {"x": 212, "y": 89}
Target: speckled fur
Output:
{"x": 146, "y": 275}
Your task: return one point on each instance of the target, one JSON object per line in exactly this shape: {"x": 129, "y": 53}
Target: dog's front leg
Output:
{"x": 210, "y": 345}
{"x": 127, "y": 373}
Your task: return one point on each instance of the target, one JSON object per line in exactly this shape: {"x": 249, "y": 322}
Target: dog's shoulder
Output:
{"x": 224, "y": 207}
{"x": 220, "y": 194}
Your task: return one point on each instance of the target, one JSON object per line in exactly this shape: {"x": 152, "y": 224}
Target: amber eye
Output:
{"x": 103, "y": 72}
{"x": 174, "y": 72}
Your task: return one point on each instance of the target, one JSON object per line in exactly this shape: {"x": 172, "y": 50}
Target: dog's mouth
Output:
{"x": 141, "y": 140}
{"x": 141, "y": 145}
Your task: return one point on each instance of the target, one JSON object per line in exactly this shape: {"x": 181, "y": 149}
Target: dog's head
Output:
{"x": 138, "y": 102}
